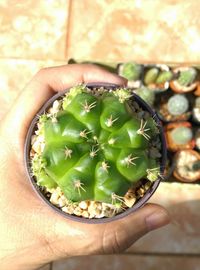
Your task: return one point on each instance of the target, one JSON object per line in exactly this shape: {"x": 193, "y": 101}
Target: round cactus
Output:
{"x": 131, "y": 71}
{"x": 94, "y": 146}
{"x": 177, "y": 104}
{"x": 181, "y": 135}
{"x": 187, "y": 77}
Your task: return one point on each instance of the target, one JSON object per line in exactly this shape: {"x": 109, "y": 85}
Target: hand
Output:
{"x": 31, "y": 233}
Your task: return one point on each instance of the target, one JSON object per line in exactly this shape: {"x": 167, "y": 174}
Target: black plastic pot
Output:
{"x": 38, "y": 190}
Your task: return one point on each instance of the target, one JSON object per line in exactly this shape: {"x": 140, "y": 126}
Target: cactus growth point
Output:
{"x": 95, "y": 147}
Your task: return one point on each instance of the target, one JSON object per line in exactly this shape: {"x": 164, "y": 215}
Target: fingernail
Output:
{"x": 157, "y": 220}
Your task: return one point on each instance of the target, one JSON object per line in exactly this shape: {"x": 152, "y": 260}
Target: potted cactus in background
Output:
{"x": 173, "y": 107}
{"x": 95, "y": 152}
{"x": 179, "y": 135}
{"x": 157, "y": 77}
{"x": 187, "y": 166}
{"x": 186, "y": 79}
{"x": 132, "y": 72}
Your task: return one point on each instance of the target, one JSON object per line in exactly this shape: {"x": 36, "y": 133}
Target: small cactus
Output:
{"x": 157, "y": 76}
{"x": 181, "y": 135}
{"x": 187, "y": 77}
{"x": 151, "y": 75}
{"x": 164, "y": 76}
{"x": 177, "y": 104}
{"x": 187, "y": 166}
{"x": 131, "y": 71}
{"x": 96, "y": 148}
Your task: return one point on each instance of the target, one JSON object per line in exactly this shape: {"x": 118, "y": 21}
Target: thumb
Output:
{"x": 121, "y": 235}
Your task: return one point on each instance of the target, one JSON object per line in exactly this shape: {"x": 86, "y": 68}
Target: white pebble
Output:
{"x": 85, "y": 214}
{"x": 54, "y": 198}
{"x": 83, "y": 205}
{"x": 78, "y": 211}
{"x": 129, "y": 201}
{"x": 61, "y": 202}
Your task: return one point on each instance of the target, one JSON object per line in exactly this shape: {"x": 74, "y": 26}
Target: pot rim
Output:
{"x": 38, "y": 190}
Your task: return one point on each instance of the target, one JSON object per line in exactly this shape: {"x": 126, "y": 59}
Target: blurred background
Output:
{"x": 36, "y": 34}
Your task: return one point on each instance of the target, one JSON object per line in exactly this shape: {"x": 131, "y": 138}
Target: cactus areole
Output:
{"x": 93, "y": 144}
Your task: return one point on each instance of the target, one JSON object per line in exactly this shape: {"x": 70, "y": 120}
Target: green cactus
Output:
{"x": 187, "y": 77}
{"x": 164, "y": 76}
{"x": 96, "y": 148}
{"x": 131, "y": 71}
{"x": 177, "y": 104}
{"x": 181, "y": 135}
{"x": 151, "y": 75}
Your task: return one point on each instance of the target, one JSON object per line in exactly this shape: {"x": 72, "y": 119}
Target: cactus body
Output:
{"x": 131, "y": 71}
{"x": 164, "y": 76}
{"x": 177, "y": 104}
{"x": 94, "y": 146}
{"x": 187, "y": 77}
{"x": 151, "y": 76}
{"x": 181, "y": 135}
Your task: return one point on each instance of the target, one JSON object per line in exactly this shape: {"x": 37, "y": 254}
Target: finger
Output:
{"x": 107, "y": 238}
{"x": 46, "y": 83}
{"x": 121, "y": 235}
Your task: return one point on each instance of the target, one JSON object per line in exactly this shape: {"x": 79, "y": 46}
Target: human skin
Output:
{"x": 31, "y": 233}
